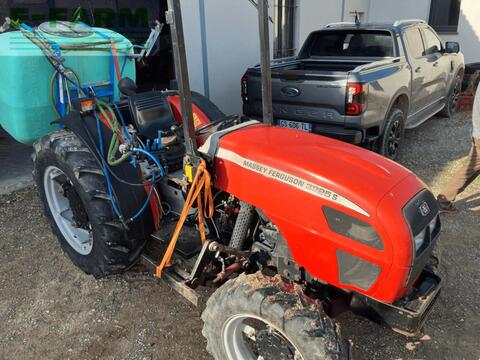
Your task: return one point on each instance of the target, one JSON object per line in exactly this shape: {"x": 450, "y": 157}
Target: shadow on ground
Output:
{"x": 15, "y": 164}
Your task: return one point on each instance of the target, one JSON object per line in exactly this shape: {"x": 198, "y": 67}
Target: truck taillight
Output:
{"x": 244, "y": 84}
{"x": 356, "y": 102}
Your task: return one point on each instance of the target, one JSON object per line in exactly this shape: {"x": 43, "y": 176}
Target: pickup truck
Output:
{"x": 363, "y": 83}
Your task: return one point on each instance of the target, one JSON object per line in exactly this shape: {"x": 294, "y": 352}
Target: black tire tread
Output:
{"x": 115, "y": 249}
{"x": 314, "y": 334}
{"x": 446, "y": 112}
{"x": 382, "y": 141}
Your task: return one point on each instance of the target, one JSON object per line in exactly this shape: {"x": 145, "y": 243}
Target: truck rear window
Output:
{"x": 355, "y": 43}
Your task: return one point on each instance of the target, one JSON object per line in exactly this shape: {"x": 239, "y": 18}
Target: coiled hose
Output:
{"x": 109, "y": 115}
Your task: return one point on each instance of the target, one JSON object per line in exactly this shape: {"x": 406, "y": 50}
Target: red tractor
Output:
{"x": 290, "y": 228}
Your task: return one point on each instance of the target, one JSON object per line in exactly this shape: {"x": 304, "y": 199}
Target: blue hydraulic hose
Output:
{"x": 124, "y": 126}
{"x": 152, "y": 186}
{"x": 107, "y": 177}
{"x": 123, "y": 66}
{"x": 142, "y": 209}
{"x": 154, "y": 159}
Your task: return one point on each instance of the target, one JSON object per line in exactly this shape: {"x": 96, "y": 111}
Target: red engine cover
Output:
{"x": 291, "y": 175}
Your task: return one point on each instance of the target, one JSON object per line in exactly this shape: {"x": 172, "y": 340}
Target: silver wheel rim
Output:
{"x": 79, "y": 239}
{"x": 237, "y": 337}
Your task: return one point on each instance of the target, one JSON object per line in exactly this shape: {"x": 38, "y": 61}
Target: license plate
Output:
{"x": 297, "y": 125}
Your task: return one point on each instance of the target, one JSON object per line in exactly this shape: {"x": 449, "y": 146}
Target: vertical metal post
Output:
{"x": 277, "y": 29}
{"x": 174, "y": 19}
{"x": 265, "y": 61}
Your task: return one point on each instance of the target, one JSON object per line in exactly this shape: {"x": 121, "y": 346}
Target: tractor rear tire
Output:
{"x": 288, "y": 328}
{"x": 68, "y": 177}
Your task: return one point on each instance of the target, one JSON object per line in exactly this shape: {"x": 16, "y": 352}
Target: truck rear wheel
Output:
{"x": 251, "y": 317}
{"x": 390, "y": 143}
{"x": 453, "y": 98}
{"x": 72, "y": 188}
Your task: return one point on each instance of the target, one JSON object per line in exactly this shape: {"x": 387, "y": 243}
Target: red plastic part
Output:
{"x": 375, "y": 184}
{"x": 199, "y": 118}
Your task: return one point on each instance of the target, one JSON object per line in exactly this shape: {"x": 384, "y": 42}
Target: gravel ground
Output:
{"x": 49, "y": 309}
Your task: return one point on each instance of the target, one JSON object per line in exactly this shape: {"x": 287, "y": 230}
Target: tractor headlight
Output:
{"x": 353, "y": 228}
{"x": 422, "y": 240}
{"x": 419, "y": 241}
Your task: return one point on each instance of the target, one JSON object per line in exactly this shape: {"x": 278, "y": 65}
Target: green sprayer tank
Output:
{"x": 26, "y": 109}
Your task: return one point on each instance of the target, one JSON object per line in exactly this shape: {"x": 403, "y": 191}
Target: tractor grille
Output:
{"x": 421, "y": 214}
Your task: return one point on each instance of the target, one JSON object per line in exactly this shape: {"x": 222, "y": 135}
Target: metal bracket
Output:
{"x": 169, "y": 17}
{"x": 152, "y": 39}
{"x": 174, "y": 279}
{"x": 203, "y": 259}
{"x": 6, "y": 25}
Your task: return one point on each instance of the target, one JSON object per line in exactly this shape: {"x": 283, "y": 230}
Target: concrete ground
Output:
{"x": 50, "y": 310}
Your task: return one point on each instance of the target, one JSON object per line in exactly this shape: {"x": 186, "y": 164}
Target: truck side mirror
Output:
{"x": 452, "y": 47}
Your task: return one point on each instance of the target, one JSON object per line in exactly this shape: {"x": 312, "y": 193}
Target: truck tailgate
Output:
{"x": 310, "y": 96}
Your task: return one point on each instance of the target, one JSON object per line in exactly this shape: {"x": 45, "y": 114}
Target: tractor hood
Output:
{"x": 284, "y": 161}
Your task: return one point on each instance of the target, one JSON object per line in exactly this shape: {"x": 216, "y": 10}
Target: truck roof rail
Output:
{"x": 408, "y": 21}
{"x": 339, "y": 23}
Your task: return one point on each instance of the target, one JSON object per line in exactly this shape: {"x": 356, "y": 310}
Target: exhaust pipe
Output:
{"x": 243, "y": 223}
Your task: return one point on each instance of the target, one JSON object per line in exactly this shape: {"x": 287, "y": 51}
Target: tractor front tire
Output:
{"x": 73, "y": 190}
{"x": 253, "y": 317}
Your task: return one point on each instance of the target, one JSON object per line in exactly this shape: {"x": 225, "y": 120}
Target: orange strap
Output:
{"x": 115, "y": 59}
{"x": 202, "y": 181}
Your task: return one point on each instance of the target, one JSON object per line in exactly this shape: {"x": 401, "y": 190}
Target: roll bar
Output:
{"x": 174, "y": 19}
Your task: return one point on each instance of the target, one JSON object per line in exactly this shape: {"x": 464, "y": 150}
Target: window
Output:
{"x": 357, "y": 43}
{"x": 444, "y": 15}
{"x": 414, "y": 42}
{"x": 432, "y": 43}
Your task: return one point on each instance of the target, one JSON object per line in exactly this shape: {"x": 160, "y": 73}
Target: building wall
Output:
{"x": 381, "y": 10}
{"x": 193, "y": 43}
{"x": 230, "y": 45}
{"x": 468, "y": 28}
{"x": 468, "y": 31}
{"x": 362, "y": 6}
{"x": 314, "y": 14}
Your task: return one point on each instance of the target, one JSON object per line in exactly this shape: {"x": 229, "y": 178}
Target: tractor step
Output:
{"x": 175, "y": 277}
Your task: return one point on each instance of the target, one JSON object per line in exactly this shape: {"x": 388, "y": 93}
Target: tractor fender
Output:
{"x": 129, "y": 198}
{"x": 204, "y": 110}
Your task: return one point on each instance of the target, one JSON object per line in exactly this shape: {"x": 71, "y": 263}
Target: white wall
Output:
{"x": 232, "y": 44}
{"x": 315, "y": 14}
{"x": 391, "y": 10}
{"x": 193, "y": 43}
{"x": 468, "y": 29}
{"x": 362, "y": 6}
